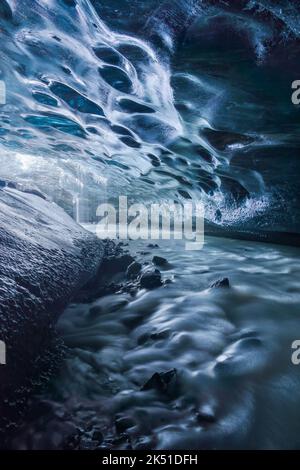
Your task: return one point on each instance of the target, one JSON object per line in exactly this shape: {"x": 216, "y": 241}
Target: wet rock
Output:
{"x": 87, "y": 444}
{"x": 151, "y": 279}
{"x": 224, "y": 283}
{"x": 160, "y": 261}
{"x": 116, "y": 264}
{"x": 206, "y": 415}
{"x": 123, "y": 423}
{"x": 162, "y": 382}
{"x": 133, "y": 270}
{"x": 164, "y": 334}
{"x": 97, "y": 435}
{"x": 153, "y": 245}
{"x": 155, "y": 336}
{"x": 123, "y": 439}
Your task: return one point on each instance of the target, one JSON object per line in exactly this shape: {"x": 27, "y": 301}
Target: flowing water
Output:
{"x": 235, "y": 383}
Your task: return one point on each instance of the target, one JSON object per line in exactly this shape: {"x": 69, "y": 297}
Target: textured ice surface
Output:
{"x": 166, "y": 100}
{"x": 44, "y": 257}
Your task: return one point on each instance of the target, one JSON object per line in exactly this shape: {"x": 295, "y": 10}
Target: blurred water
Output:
{"x": 236, "y": 386}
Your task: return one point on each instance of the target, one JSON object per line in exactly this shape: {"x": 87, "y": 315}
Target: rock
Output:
{"x": 87, "y": 444}
{"x": 206, "y": 415}
{"x": 158, "y": 335}
{"x": 151, "y": 279}
{"x": 97, "y": 435}
{"x": 160, "y": 261}
{"x": 45, "y": 257}
{"x": 161, "y": 382}
{"x": 133, "y": 270}
{"x": 116, "y": 264}
{"x": 221, "y": 283}
{"x": 123, "y": 423}
{"x": 122, "y": 440}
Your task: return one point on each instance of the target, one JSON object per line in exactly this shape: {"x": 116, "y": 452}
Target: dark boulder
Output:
{"x": 223, "y": 283}
{"x": 133, "y": 270}
{"x": 123, "y": 423}
{"x": 151, "y": 279}
{"x": 162, "y": 382}
{"x": 160, "y": 261}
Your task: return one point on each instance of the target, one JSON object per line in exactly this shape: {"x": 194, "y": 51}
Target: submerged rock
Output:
{"x": 151, "y": 279}
{"x": 221, "y": 283}
{"x": 160, "y": 261}
{"x": 206, "y": 415}
{"x": 161, "y": 382}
